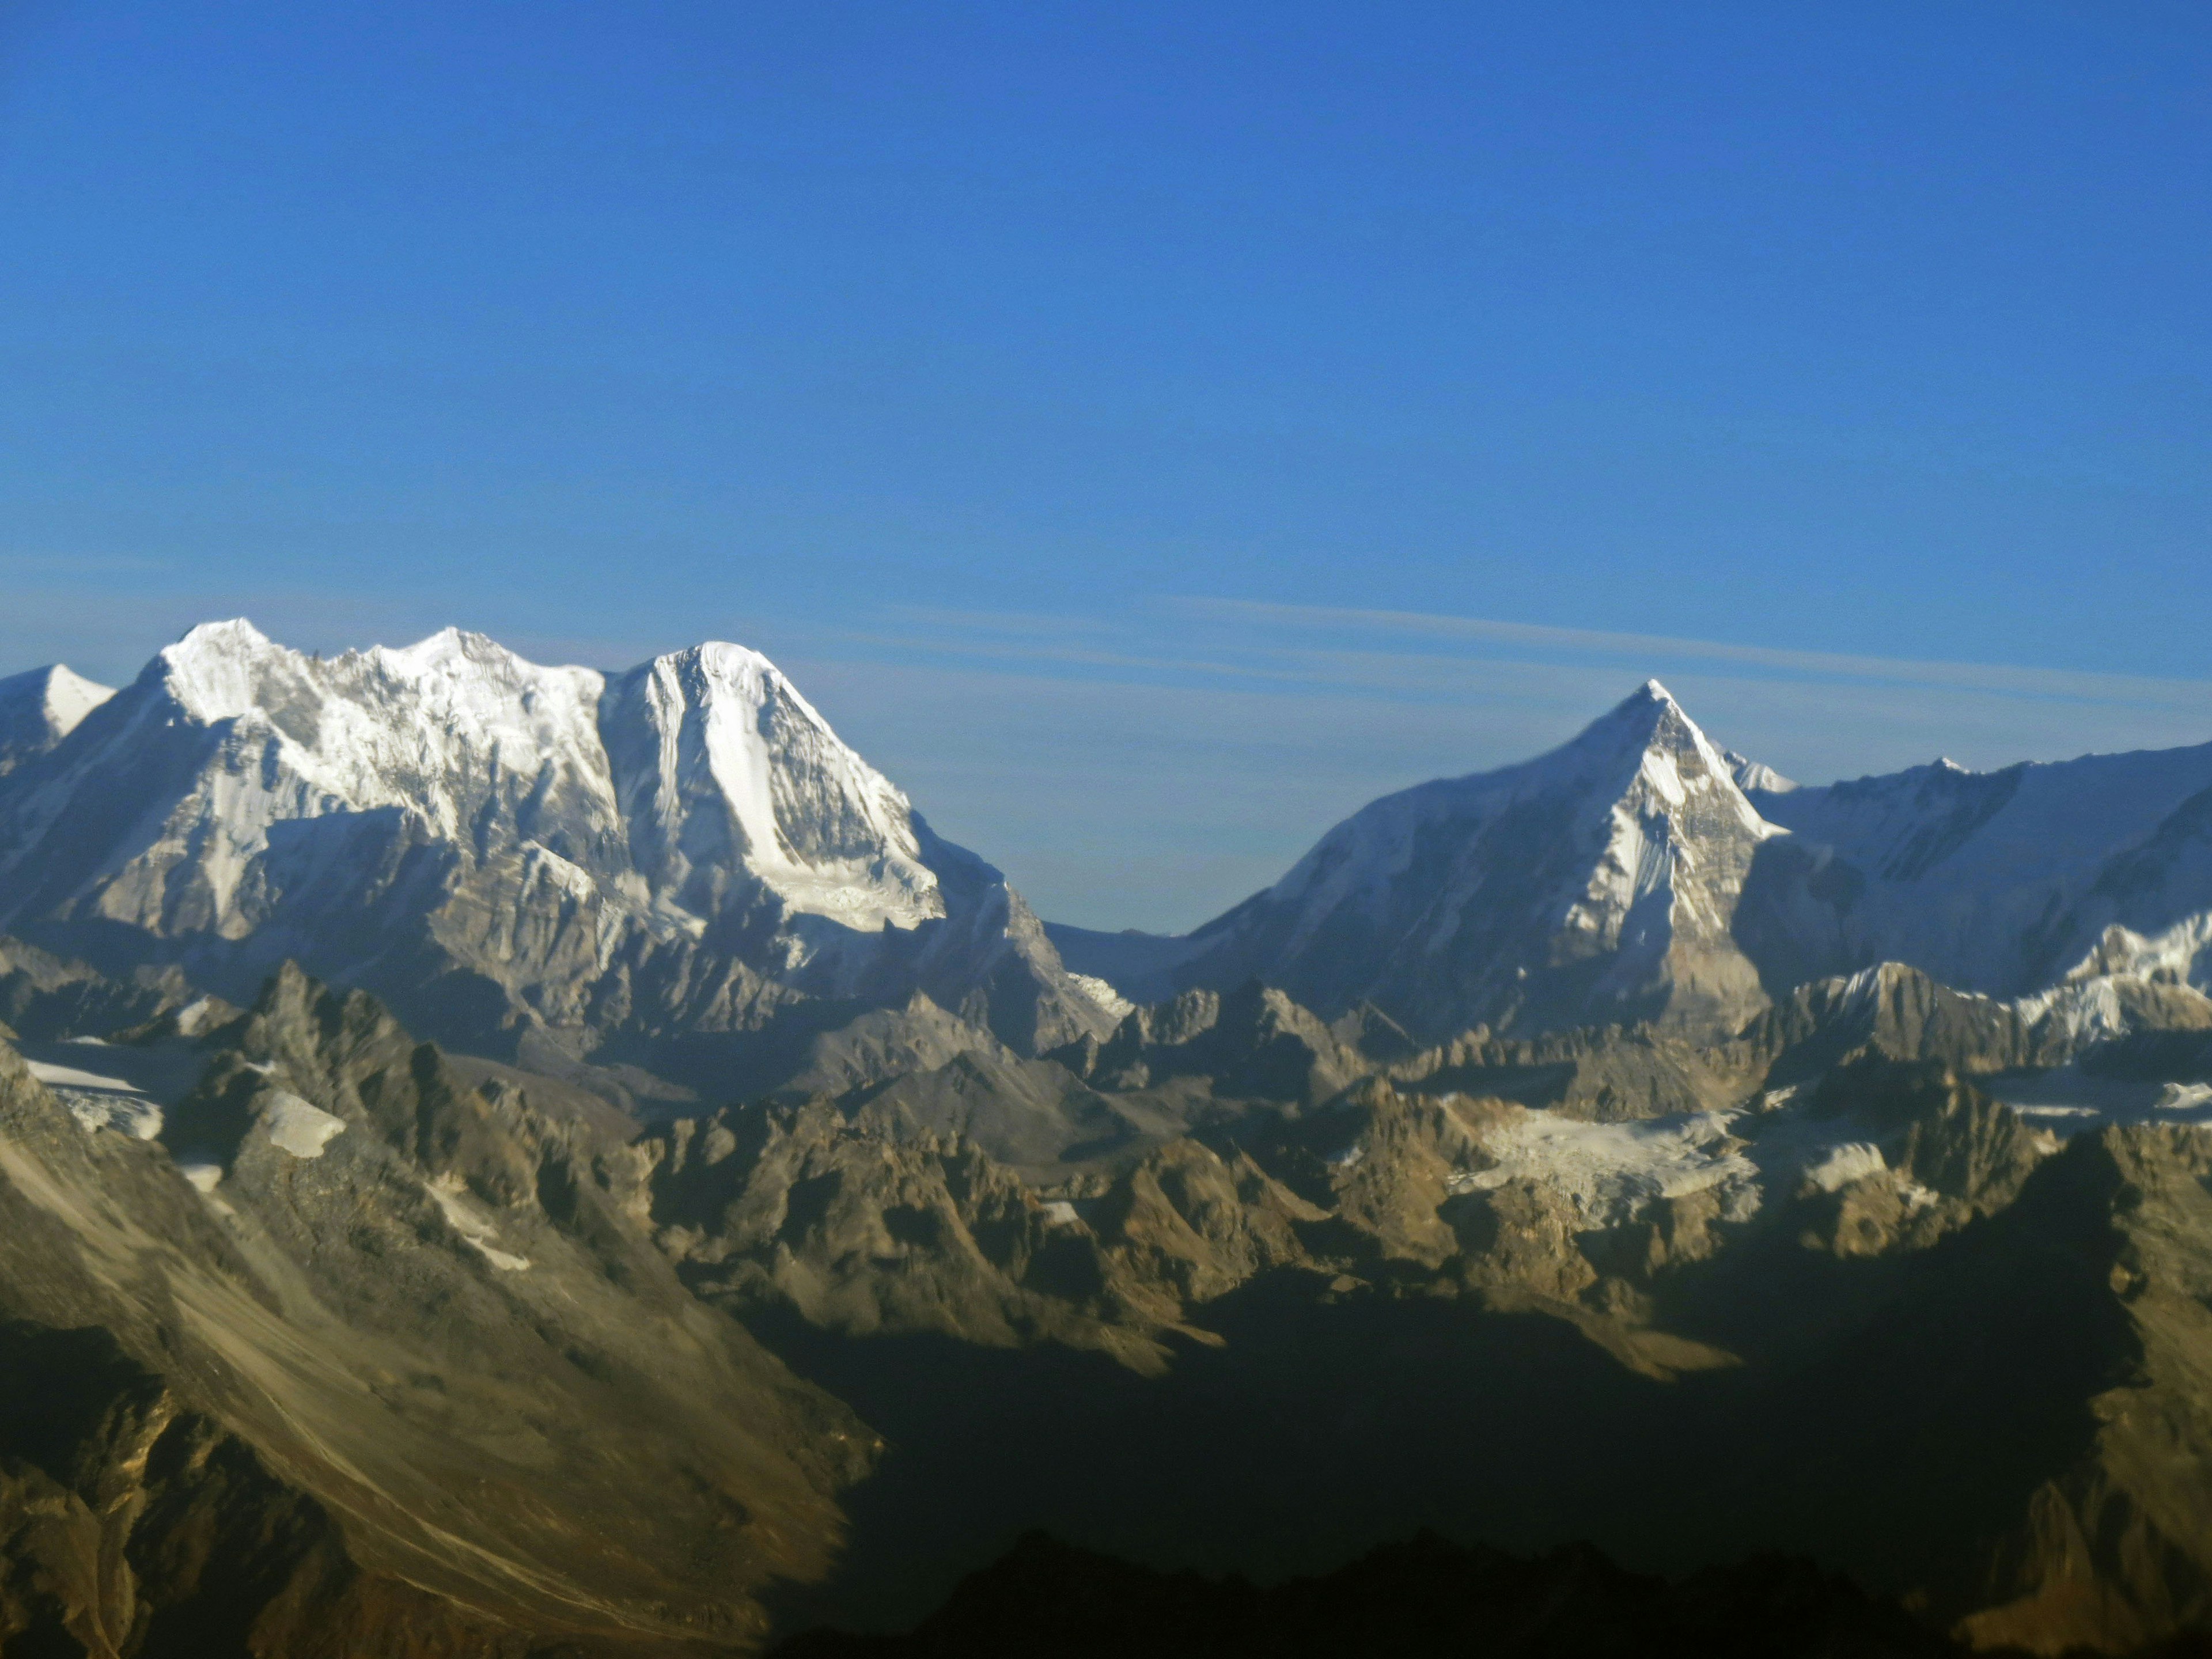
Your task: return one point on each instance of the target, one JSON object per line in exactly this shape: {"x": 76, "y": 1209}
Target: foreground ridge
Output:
{"x": 1407, "y": 1601}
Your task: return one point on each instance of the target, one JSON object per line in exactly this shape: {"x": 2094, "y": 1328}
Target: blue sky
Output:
{"x": 1147, "y": 431}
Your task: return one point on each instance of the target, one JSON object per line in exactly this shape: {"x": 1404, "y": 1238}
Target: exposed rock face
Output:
{"x": 876, "y": 1225}
{"x": 1899, "y": 1012}
{"x": 45, "y": 995}
{"x": 2116, "y": 1549}
{"x": 1253, "y": 1041}
{"x": 136, "y": 1525}
{"x": 390, "y": 1372}
{"x": 682, "y": 864}
{"x": 862, "y": 1228}
{"x": 1864, "y": 1249}
{"x": 1605, "y": 1076}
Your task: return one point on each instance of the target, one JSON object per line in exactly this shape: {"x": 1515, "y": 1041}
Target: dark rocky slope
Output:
{"x": 389, "y": 1374}
{"x": 1417, "y": 1600}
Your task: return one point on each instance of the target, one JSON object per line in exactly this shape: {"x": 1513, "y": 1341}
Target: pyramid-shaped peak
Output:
{"x": 717, "y": 671}
{"x": 61, "y": 695}
{"x": 1648, "y": 736}
{"x": 38, "y": 710}
{"x": 1648, "y": 715}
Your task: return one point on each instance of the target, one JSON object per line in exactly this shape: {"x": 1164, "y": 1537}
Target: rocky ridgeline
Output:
{"x": 484, "y": 1340}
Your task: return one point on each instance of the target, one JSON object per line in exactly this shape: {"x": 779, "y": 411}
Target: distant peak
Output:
{"x": 721, "y": 668}
{"x": 1641, "y": 717}
{"x": 235, "y": 634}
{"x": 722, "y": 654}
{"x": 41, "y": 708}
{"x": 1651, "y": 733}
{"x": 71, "y": 697}
{"x": 450, "y": 645}
{"x": 213, "y": 669}
{"x": 1750, "y": 774}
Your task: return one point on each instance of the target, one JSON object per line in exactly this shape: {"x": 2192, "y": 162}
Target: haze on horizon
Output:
{"x": 1147, "y": 438}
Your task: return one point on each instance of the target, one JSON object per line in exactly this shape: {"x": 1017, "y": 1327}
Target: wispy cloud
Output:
{"x": 1893, "y": 670}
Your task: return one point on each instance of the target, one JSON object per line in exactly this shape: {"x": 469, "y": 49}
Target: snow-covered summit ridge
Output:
{"x": 685, "y": 784}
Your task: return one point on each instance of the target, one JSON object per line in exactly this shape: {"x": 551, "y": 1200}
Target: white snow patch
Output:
{"x": 477, "y": 1229}
{"x": 205, "y": 1177}
{"x": 2183, "y": 1097}
{"x": 1611, "y": 1171}
{"x": 99, "y": 1101}
{"x": 1104, "y": 995}
{"x": 296, "y": 1126}
{"x": 1855, "y": 1160}
{"x": 68, "y": 1077}
{"x": 1058, "y": 1212}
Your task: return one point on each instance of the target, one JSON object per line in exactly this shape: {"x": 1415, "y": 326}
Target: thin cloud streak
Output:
{"x": 2070, "y": 684}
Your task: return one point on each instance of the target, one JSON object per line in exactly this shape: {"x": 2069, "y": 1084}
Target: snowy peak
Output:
{"x": 69, "y": 697}
{"x": 40, "y": 709}
{"x": 1753, "y": 778}
{"x": 217, "y": 670}
{"x": 716, "y": 758}
{"x": 1596, "y": 881}
{"x": 684, "y": 848}
{"x": 1645, "y": 755}
{"x": 725, "y": 785}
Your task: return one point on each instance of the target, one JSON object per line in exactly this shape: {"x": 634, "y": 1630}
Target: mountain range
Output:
{"x": 680, "y": 865}
{"x": 682, "y": 869}
{"x": 1640, "y": 873}
{"x": 508, "y": 1161}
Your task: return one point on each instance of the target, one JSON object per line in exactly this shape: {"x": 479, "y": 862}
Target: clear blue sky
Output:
{"x": 993, "y": 366}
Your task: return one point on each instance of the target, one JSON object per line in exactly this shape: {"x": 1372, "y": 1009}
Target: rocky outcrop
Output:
{"x": 2115, "y": 1549}
{"x": 397, "y": 1362}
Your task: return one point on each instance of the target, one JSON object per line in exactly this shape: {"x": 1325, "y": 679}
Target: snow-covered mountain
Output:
{"x": 1595, "y": 884}
{"x": 1640, "y": 872}
{"x": 2077, "y": 885}
{"x": 512, "y": 852}
{"x": 40, "y": 709}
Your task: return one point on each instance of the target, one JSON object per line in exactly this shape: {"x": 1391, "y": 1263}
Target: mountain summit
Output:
{"x": 515, "y": 853}
{"x": 1597, "y": 882}
{"x": 40, "y": 709}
